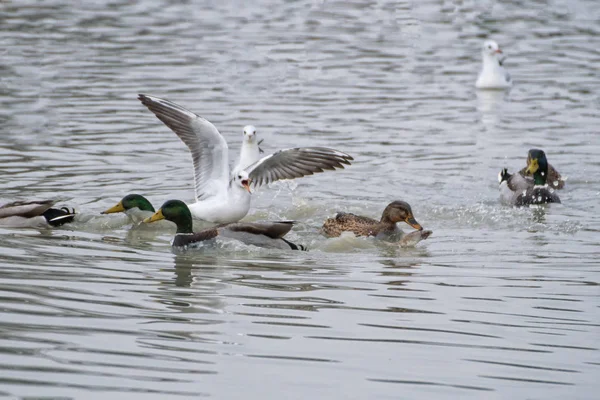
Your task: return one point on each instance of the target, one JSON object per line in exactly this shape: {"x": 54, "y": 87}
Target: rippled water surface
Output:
{"x": 497, "y": 303}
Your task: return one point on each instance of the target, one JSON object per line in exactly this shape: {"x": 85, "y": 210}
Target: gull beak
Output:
{"x": 116, "y": 209}
{"x": 246, "y": 184}
{"x": 532, "y": 166}
{"x": 413, "y": 222}
{"x": 498, "y": 51}
{"x": 157, "y": 216}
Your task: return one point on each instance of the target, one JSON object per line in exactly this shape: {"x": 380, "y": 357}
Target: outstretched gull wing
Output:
{"x": 208, "y": 147}
{"x": 296, "y": 163}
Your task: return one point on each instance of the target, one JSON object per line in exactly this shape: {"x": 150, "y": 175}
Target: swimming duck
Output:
{"x": 225, "y": 198}
{"x": 261, "y": 234}
{"x": 492, "y": 75}
{"x": 135, "y": 206}
{"x": 518, "y": 190}
{"x": 34, "y": 214}
{"x": 396, "y": 211}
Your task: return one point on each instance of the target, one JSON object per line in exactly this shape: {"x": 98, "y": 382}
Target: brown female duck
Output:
{"x": 396, "y": 211}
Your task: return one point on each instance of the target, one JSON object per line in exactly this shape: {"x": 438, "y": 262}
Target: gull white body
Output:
{"x": 222, "y": 210}
{"x": 250, "y": 152}
{"x": 492, "y": 75}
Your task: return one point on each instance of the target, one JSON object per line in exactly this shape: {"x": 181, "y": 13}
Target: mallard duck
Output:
{"x": 34, "y": 214}
{"x": 222, "y": 198}
{"x": 492, "y": 75}
{"x": 262, "y": 234}
{"x": 518, "y": 190}
{"x": 396, "y": 211}
{"x": 135, "y": 206}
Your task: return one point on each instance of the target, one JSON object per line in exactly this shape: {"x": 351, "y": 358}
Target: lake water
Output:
{"x": 497, "y": 303}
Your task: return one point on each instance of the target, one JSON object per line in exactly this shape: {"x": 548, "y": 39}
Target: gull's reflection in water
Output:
{"x": 490, "y": 106}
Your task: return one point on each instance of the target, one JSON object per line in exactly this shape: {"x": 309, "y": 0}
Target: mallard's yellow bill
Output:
{"x": 413, "y": 222}
{"x": 157, "y": 216}
{"x": 115, "y": 209}
{"x": 532, "y": 166}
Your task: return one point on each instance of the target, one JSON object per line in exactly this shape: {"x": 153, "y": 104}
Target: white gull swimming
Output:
{"x": 493, "y": 75}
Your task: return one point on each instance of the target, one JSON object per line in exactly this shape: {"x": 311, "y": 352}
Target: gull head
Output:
{"x": 242, "y": 180}
{"x": 490, "y": 49}
{"x": 249, "y": 133}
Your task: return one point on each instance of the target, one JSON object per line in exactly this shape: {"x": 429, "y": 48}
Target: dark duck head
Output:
{"x": 399, "y": 211}
{"x": 130, "y": 202}
{"x": 175, "y": 211}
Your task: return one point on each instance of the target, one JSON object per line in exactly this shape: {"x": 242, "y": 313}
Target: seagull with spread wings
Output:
{"x": 221, "y": 197}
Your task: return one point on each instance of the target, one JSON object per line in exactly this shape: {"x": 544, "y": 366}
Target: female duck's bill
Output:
{"x": 261, "y": 234}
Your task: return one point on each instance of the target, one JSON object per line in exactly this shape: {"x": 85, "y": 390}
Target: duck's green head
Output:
{"x": 175, "y": 211}
{"x": 129, "y": 202}
{"x": 537, "y": 165}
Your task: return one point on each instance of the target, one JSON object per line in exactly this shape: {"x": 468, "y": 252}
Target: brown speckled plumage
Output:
{"x": 396, "y": 211}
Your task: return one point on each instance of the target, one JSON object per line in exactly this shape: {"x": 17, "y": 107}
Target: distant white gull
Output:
{"x": 493, "y": 75}
{"x": 222, "y": 198}
{"x": 250, "y": 150}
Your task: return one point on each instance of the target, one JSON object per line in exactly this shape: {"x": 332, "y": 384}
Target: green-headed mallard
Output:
{"x": 135, "y": 206}
{"x": 262, "y": 234}
{"x": 397, "y": 211}
{"x": 519, "y": 190}
{"x": 34, "y": 214}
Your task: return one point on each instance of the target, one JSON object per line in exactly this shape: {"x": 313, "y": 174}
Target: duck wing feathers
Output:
{"x": 273, "y": 230}
{"x": 363, "y": 226}
{"x": 184, "y": 239}
{"x": 25, "y": 209}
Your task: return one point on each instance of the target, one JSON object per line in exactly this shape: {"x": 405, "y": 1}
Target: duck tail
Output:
{"x": 503, "y": 175}
{"x": 58, "y": 217}
{"x": 294, "y": 246}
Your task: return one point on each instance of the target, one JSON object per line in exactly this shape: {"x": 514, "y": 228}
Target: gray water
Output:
{"x": 497, "y": 303}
